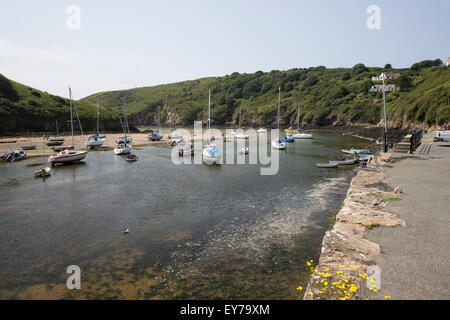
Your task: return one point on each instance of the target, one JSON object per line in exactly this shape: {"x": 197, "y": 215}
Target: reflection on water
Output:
{"x": 195, "y": 231}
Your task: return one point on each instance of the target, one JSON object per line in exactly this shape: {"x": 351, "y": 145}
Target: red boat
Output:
{"x": 131, "y": 158}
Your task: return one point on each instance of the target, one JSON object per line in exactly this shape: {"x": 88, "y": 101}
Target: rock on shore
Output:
{"x": 346, "y": 255}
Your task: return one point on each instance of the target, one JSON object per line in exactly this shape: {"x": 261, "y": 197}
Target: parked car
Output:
{"x": 442, "y": 136}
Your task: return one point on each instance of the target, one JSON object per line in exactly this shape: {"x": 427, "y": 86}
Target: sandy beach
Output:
{"x": 139, "y": 140}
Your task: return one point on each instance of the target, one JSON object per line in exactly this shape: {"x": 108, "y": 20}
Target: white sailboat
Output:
{"x": 123, "y": 144}
{"x": 95, "y": 141}
{"x": 277, "y": 143}
{"x": 299, "y": 134}
{"x": 261, "y": 130}
{"x": 211, "y": 154}
{"x": 68, "y": 155}
{"x": 240, "y": 133}
{"x": 56, "y": 140}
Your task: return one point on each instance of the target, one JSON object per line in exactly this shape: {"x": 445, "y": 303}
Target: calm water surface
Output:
{"x": 196, "y": 231}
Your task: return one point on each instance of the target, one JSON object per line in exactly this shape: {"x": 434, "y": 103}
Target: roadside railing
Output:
{"x": 416, "y": 139}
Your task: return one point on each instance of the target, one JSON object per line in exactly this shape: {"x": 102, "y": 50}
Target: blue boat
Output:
{"x": 155, "y": 136}
{"x": 288, "y": 138}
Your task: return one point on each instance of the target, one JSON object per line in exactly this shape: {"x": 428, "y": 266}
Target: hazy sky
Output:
{"x": 127, "y": 44}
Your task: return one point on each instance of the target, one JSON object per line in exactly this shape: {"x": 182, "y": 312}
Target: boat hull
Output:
{"x": 278, "y": 145}
{"x": 302, "y": 136}
{"x": 94, "y": 144}
{"x": 241, "y": 136}
{"x": 121, "y": 151}
{"x": 210, "y": 159}
{"x": 327, "y": 165}
{"x": 55, "y": 143}
{"x": 345, "y": 162}
{"x": 67, "y": 158}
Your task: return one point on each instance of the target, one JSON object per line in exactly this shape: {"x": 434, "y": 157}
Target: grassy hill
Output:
{"x": 336, "y": 96}
{"x": 23, "y": 108}
{"x": 327, "y": 96}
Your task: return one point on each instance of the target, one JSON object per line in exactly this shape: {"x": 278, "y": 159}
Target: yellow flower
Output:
{"x": 326, "y": 283}
{"x": 300, "y": 288}
{"x": 387, "y": 297}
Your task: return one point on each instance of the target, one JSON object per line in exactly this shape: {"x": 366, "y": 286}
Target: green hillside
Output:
{"x": 23, "y": 108}
{"x": 336, "y": 96}
{"x": 327, "y": 96}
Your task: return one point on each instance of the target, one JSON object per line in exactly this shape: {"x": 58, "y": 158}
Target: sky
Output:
{"x": 128, "y": 44}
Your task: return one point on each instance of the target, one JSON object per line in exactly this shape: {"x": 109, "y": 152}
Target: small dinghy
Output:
{"x": 345, "y": 162}
{"x": 356, "y": 151}
{"x": 42, "y": 172}
{"x": 55, "y": 143}
{"x": 327, "y": 165}
{"x": 131, "y": 158}
{"x": 28, "y": 147}
{"x": 288, "y": 138}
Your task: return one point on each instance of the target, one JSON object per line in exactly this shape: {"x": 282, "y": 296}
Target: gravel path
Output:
{"x": 415, "y": 259}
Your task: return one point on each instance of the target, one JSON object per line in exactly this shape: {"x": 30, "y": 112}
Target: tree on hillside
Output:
{"x": 359, "y": 68}
{"x": 7, "y": 90}
{"x": 311, "y": 80}
{"x": 388, "y": 66}
{"x": 404, "y": 82}
{"x": 346, "y": 76}
{"x": 426, "y": 64}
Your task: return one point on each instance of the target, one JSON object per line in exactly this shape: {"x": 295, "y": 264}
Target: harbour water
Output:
{"x": 196, "y": 231}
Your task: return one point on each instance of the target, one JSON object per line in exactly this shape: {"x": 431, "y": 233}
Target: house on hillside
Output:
{"x": 389, "y": 88}
{"x": 386, "y": 76}
{"x": 448, "y": 61}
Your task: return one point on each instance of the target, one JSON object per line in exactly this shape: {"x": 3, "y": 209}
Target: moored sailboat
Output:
{"x": 68, "y": 155}
{"x": 124, "y": 143}
{"x": 211, "y": 154}
{"x": 96, "y": 141}
{"x": 299, "y": 134}
{"x": 55, "y": 140}
{"x": 277, "y": 143}
{"x": 240, "y": 133}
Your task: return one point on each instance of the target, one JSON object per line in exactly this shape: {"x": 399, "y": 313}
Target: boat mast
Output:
{"x": 127, "y": 128}
{"x": 98, "y": 117}
{"x": 159, "y": 123}
{"x": 298, "y": 117}
{"x": 240, "y": 112}
{"x": 209, "y": 114}
{"x": 57, "y": 132}
{"x": 278, "y": 111}
{"x": 71, "y": 115}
